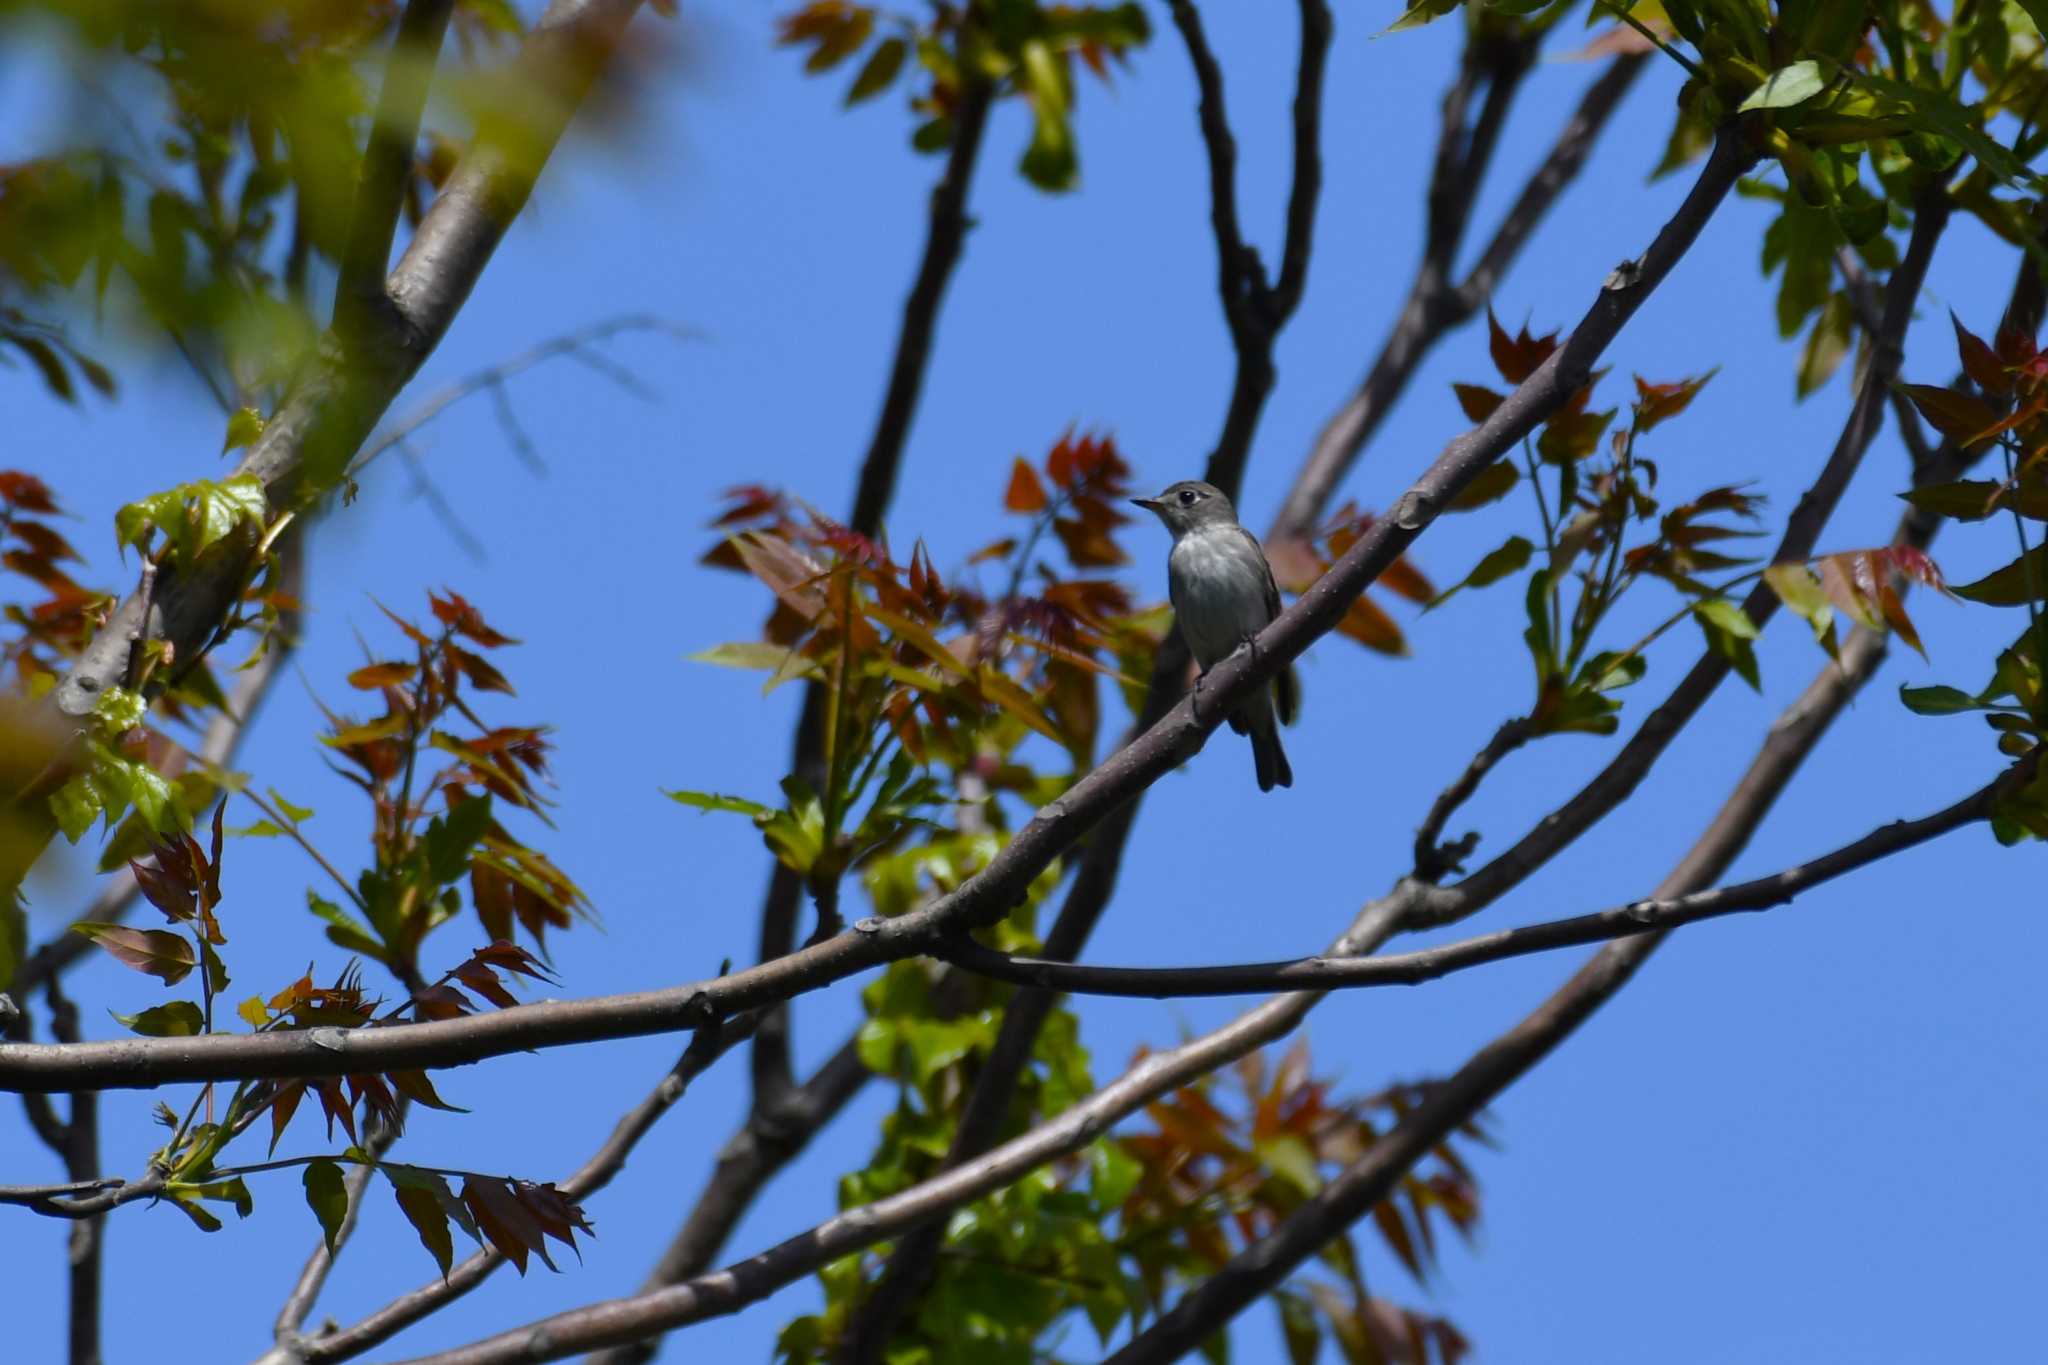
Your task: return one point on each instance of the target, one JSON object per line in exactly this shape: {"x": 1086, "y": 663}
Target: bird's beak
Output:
{"x": 1149, "y": 504}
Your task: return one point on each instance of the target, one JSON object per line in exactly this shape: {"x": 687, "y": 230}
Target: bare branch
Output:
{"x": 1407, "y": 969}
{"x": 943, "y": 241}
{"x": 1255, "y": 310}
{"x": 388, "y": 162}
{"x": 1434, "y": 307}
{"x": 1433, "y": 858}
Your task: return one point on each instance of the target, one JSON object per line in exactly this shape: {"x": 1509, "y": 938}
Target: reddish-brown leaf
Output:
{"x": 166, "y": 956}
{"x": 1517, "y": 357}
{"x": 1025, "y": 493}
{"x": 1365, "y": 622}
{"x": 45, "y": 542}
{"x": 1961, "y": 417}
{"x": 1660, "y": 402}
{"x": 282, "y": 1108}
{"x": 373, "y": 677}
{"x": 1476, "y": 402}
{"x": 25, "y": 491}
{"x": 415, "y": 1086}
{"x": 482, "y": 676}
{"x": 1980, "y": 362}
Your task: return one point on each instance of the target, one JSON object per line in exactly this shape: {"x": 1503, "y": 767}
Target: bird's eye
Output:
{"x": 1187, "y": 497}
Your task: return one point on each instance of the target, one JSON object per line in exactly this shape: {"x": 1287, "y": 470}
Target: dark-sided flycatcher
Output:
{"x": 1223, "y": 595}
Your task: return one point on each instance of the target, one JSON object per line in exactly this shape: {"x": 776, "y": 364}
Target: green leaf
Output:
{"x": 1826, "y": 345}
{"x": 253, "y": 1012}
{"x": 298, "y": 815}
{"x": 1610, "y": 671}
{"x": 1298, "y": 1325}
{"x": 231, "y": 1191}
{"x": 738, "y": 805}
{"x": 76, "y": 805}
{"x": 345, "y": 930}
{"x": 193, "y": 516}
{"x": 429, "y": 1218}
{"x": 178, "y": 1019}
{"x": 451, "y": 838}
{"x": 1785, "y": 87}
{"x": 1112, "y": 1173}
{"x": 751, "y": 654}
{"x": 1933, "y": 111}
{"x": 1800, "y": 589}
{"x": 880, "y": 69}
{"x": 1941, "y": 701}
{"x": 243, "y": 428}
{"x": 1731, "y": 634}
{"x": 1497, "y": 564}
{"x": 1418, "y": 14}
{"x": 327, "y": 1196}
{"x": 2022, "y": 581}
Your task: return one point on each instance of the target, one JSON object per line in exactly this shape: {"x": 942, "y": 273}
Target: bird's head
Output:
{"x": 1190, "y": 505}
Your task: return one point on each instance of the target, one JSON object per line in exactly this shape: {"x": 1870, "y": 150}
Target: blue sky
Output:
{"x": 1811, "y": 1134}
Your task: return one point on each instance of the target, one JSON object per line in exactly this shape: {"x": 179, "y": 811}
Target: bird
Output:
{"x": 1223, "y": 595}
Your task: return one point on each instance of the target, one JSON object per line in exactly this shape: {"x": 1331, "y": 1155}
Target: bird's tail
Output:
{"x": 1267, "y": 755}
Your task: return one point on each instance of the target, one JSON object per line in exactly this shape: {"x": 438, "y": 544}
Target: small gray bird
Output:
{"x": 1223, "y": 595}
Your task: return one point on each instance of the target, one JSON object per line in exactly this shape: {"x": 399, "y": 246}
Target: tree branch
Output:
{"x": 387, "y": 163}
{"x": 1786, "y": 746}
{"x": 298, "y": 1305}
{"x": 336, "y": 401}
{"x": 1255, "y": 310}
{"x": 991, "y": 892}
{"x": 1320, "y": 973}
{"x": 1434, "y": 307}
{"x": 1612, "y": 785}
{"x": 943, "y": 240}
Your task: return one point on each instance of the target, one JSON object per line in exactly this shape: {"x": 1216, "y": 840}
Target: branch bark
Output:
{"x": 387, "y": 163}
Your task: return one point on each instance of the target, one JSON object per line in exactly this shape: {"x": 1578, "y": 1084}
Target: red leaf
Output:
{"x": 25, "y": 491}
{"x": 1961, "y": 417}
{"x": 1365, "y": 622}
{"x": 1660, "y": 402}
{"x": 1980, "y": 362}
{"x": 1478, "y": 403}
{"x": 1025, "y": 493}
{"x": 1519, "y": 356}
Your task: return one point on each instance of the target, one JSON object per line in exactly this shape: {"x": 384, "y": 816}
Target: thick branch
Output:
{"x": 387, "y": 162}
{"x": 990, "y": 893}
{"x": 334, "y": 404}
{"x": 1434, "y": 307}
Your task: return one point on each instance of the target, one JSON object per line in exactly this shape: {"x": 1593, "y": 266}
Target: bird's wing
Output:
{"x": 1266, "y": 568}
{"x": 1286, "y": 684}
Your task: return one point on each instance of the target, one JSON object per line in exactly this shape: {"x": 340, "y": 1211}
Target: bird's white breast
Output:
{"x": 1220, "y": 591}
